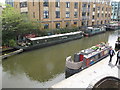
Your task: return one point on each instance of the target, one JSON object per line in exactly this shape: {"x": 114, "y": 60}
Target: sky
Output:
{"x": 2, "y": 1}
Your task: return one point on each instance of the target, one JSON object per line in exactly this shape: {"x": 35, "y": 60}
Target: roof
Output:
{"x": 52, "y": 36}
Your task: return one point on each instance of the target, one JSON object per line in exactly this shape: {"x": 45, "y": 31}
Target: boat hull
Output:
{"x": 91, "y": 34}
{"x": 83, "y": 60}
{"x": 37, "y": 46}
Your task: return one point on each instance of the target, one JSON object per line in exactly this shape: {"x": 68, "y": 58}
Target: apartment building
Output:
{"x": 54, "y": 14}
{"x": 115, "y": 11}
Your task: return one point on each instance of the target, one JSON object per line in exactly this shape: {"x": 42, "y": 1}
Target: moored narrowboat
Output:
{"x": 113, "y": 26}
{"x": 85, "y": 58}
{"x": 39, "y": 42}
{"x": 92, "y": 31}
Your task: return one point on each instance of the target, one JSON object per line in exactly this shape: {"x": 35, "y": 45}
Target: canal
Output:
{"x": 44, "y": 67}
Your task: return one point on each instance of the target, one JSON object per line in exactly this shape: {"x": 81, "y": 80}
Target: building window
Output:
{"x": 105, "y": 21}
{"x": 93, "y": 17}
{"x": 23, "y": 4}
{"x": 83, "y": 23}
{"x": 45, "y": 3}
{"x": 67, "y": 14}
{"x": 87, "y": 23}
{"x": 46, "y": 26}
{"x": 114, "y": 8}
{"x": 57, "y": 14}
{"x": 88, "y": 14}
{"x": 67, "y": 4}
{"x": 97, "y": 22}
{"x": 102, "y": 8}
{"x": 33, "y": 2}
{"x": 58, "y": 25}
{"x": 75, "y": 14}
{"x": 83, "y": 13}
{"x": 92, "y": 23}
{"x": 88, "y": 5}
{"x": 98, "y": 15}
{"x": 102, "y": 15}
{"x": 33, "y": 14}
{"x": 101, "y": 22}
{"x": 84, "y": 5}
{"x": 67, "y": 24}
{"x": 112, "y": 14}
{"x": 105, "y": 15}
{"x": 106, "y": 9}
{"x": 57, "y": 3}
{"x": 75, "y": 23}
{"x": 75, "y": 5}
{"x": 93, "y": 9}
{"x": 46, "y": 14}
{"x": 98, "y": 8}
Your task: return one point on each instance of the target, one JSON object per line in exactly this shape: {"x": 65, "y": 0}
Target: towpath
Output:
{"x": 90, "y": 76}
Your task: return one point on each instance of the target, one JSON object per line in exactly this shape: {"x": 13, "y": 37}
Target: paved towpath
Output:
{"x": 88, "y": 77}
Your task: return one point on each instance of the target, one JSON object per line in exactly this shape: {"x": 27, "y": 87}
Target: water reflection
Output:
{"x": 45, "y": 64}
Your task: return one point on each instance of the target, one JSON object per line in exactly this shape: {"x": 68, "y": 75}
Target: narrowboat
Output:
{"x": 113, "y": 26}
{"x": 39, "y": 42}
{"x": 92, "y": 31}
{"x": 117, "y": 44}
{"x": 85, "y": 58}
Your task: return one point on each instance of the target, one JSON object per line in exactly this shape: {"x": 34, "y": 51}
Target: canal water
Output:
{"x": 44, "y": 67}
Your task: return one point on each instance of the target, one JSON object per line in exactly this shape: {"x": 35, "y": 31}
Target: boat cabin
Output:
{"x": 53, "y": 38}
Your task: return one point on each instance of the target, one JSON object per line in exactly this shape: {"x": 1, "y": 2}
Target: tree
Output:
{"x": 16, "y": 24}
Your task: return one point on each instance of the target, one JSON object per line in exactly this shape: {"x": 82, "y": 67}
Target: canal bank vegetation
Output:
{"x": 16, "y": 26}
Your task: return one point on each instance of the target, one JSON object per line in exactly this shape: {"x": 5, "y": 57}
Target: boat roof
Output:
{"x": 90, "y": 27}
{"x": 52, "y": 36}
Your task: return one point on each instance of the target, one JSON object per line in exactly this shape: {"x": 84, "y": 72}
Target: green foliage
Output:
{"x": 12, "y": 43}
{"x": 15, "y": 24}
{"x": 64, "y": 30}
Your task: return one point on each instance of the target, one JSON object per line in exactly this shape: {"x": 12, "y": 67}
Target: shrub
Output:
{"x": 12, "y": 43}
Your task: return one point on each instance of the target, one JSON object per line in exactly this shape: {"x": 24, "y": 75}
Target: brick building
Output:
{"x": 54, "y": 14}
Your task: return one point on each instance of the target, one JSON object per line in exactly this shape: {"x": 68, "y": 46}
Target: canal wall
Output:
{"x": 90, "y": 76}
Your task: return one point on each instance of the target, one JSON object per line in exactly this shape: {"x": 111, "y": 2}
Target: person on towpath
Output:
{"x": 118, "y": 57}
{"x": 111, "y": 53}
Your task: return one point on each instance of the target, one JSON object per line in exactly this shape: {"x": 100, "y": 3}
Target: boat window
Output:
{"x": 99, "y": 55}
{"x": 96, "y": 57}
{"x": 92, "y": 60}
{"x": 90, "y": 30}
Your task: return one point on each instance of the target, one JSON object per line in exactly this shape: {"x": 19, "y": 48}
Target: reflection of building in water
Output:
{"x": 54, "y": 14}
